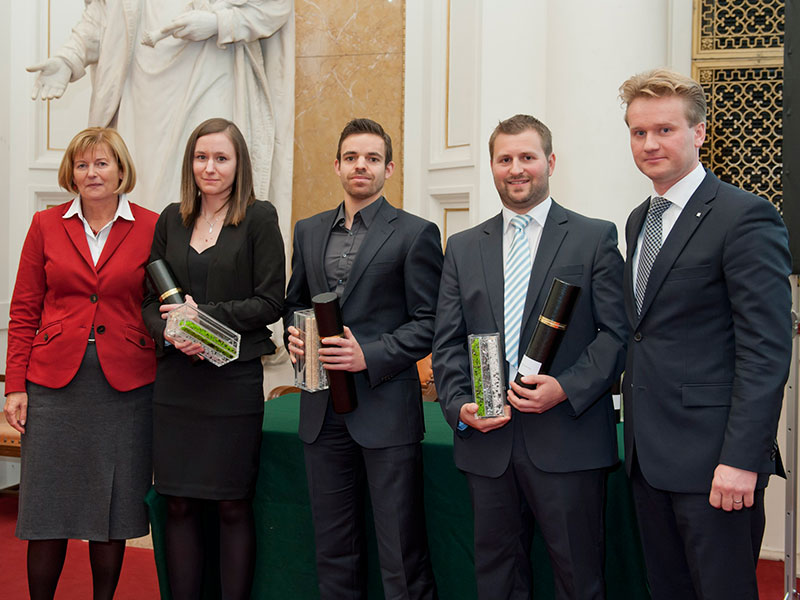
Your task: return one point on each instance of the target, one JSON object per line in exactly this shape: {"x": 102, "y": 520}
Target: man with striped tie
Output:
{"x": 545, "y": 461}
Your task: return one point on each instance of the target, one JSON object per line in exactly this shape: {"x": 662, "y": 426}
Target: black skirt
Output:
{"x": 207, "y": 427}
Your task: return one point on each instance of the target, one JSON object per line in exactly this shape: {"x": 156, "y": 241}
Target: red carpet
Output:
{"x": 137, "y": 582}
{"x": 770, "y": 580}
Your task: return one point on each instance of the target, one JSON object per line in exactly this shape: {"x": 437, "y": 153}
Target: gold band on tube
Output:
{"x": 169, "y": 293}
{"x": 551, "y": 323}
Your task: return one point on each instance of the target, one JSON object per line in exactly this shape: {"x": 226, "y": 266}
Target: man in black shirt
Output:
{"x": 384, "y": 264}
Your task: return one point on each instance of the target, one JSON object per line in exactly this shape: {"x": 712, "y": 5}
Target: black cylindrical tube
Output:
{"x": 164, "y": 282}
{"x": 330, "y": 324}
{"x": 549, "y": 330}
{"x": 168, "y": 290}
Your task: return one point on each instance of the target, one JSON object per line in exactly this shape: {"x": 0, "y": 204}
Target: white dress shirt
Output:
{"x": 96, "y": 242}
{"x": 678, "y": 195}
{"x": 533, "y": 231}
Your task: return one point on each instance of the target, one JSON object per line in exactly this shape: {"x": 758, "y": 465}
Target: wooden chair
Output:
{"x": 10, "y": 438}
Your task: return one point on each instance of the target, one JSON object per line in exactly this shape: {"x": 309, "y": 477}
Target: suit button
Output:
{"x": 637, "y": 337}
{"x": 141, "y": 342}
{"x": 93, "y": 298}
{"x": 46, "y": 337}
{"x": 100, "y": 329}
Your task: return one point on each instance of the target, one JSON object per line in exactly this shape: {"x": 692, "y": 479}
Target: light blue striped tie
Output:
{"x": 517, "y": 275}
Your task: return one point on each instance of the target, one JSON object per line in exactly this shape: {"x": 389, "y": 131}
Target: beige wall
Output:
{"x": 349, "y": 64}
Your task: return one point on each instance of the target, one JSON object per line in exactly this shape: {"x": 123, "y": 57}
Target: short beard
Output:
{"x": 539, "y": 194}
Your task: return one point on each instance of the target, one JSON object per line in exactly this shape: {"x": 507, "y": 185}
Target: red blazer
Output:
{"x": 59, "y": 294}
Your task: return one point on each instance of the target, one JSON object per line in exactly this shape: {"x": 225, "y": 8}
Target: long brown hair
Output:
{"x": 242, "y": 193}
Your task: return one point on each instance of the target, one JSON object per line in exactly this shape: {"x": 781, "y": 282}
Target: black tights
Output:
{"x": 46, "y": 559}
{"x": 185, "y": 550}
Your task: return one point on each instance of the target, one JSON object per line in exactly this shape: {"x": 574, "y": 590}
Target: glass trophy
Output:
{"x": 220, "y": 342}
{"x": 309, "y": 374}
{"x": 488, "y": 390}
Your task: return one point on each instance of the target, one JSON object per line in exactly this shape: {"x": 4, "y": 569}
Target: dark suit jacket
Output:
{"x": 709, "y": 354}
{"x": 60, "y": 293}
{"x": 576, "y": 434}
{"x": 389, "y": 303}
{"x": 246, "y": 277}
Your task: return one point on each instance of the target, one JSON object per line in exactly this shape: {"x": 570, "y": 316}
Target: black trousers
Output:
{"x": 338, "y": 469}
{"x": 568, "y": 508}
{"x": 694, "y": 551}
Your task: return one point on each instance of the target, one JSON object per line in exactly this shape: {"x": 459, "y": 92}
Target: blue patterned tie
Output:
{"x": 517, "y": 275}
{"x": 651, "y": 244}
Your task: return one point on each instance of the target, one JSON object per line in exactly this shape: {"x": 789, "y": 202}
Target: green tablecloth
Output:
{"x": 285, "y": 562}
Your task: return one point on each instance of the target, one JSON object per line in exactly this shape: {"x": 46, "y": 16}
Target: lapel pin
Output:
{"x": 698, "y": 215}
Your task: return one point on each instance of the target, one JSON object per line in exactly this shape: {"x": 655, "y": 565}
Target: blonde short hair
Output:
{"x": 661, "y": 82}
{"x": 86, "y": 141}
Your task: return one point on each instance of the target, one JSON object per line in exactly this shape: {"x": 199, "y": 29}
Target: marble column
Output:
{"x": 350, "y": 62}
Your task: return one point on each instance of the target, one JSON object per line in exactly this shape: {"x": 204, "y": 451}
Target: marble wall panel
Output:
{"x": 349, "y": 63}
{"x": 333, "y": 27}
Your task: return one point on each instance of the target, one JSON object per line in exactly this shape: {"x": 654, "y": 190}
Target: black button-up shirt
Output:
{"x": 344, "y": 244}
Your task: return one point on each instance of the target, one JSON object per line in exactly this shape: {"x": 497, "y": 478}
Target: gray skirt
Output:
{"x": 86, "y": 459}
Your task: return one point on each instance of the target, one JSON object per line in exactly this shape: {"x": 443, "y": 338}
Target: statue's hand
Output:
{"x": 54, "y": 75}
{"x": 194, "y": 25}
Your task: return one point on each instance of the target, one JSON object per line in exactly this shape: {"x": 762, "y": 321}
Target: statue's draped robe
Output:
{"x": 157, "y": 96}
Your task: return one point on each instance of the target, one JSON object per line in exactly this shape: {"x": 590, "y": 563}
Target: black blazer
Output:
{"x": 389, "y": 303}
{"x": 574, "y": 435}
{"x": 709, "y": 354}
{"x": 246, "y": 278}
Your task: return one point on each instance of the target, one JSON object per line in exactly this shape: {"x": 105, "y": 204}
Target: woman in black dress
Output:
{"x": 225, "y": 250}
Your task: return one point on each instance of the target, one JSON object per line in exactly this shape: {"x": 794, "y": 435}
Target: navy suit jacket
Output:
{"x": 578, "y": 433}
{"x": 389, "y": 303}
{"x": 709, "y": 354}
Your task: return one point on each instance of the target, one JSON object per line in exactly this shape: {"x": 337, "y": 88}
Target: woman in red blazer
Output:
{"x": 80, "y": 368}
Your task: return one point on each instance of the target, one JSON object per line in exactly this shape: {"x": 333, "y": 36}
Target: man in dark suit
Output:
{"x": 708, "y": 301}
{"x": 384, "y": 264}
{"x": 546, "y": 459}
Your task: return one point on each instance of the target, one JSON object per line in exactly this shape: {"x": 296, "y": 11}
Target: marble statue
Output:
{"x": 160, "y": 67}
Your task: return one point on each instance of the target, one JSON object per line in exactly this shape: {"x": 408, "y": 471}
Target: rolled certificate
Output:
{"x": 164, "y": 282}
{"x": 309, "y": 374}
{"x": 549, "y": 330}
{"x": 329, "y": 324}
{"x": 488, "y": 391}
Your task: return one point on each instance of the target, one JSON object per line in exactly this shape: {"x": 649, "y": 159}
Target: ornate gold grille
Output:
{"x": 741, "y": 25}
{"x": 744, "y": 131}
{"x": 738, "y": 60}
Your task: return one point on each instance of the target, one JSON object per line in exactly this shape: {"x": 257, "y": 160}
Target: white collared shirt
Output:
{"x": 97, "y": 242}
{"x": 533, "y": 231}
{"x": 534, "y": 234}
{"x": 678, "y": 195}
